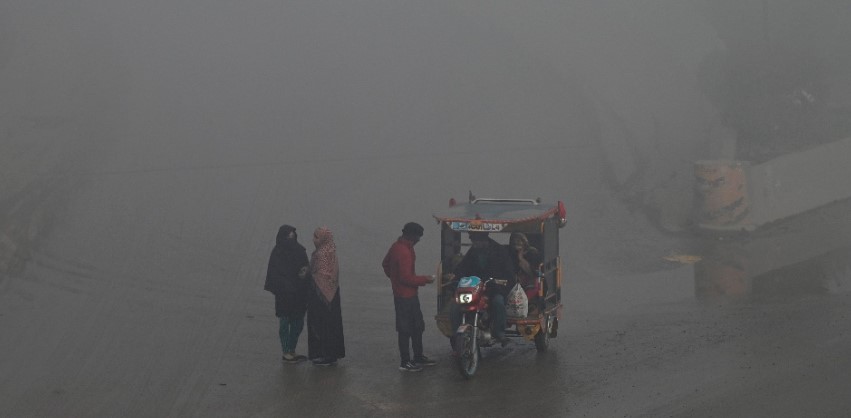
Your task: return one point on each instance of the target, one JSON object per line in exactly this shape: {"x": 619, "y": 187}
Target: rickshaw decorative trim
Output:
{"x": 477, "y": 226}
{"x": 495, "y": 222}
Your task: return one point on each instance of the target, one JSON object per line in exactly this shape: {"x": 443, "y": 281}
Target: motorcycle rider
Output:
{"x": 487, "y": 258}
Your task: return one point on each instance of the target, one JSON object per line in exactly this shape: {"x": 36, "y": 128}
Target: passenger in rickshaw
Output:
{"x": 487, "y": 258}
{"x": 526, "y": 261}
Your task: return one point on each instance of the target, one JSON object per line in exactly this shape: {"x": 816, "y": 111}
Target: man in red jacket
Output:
{"x": 399, "y": 265}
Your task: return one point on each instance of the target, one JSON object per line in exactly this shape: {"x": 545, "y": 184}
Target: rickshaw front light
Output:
{"x": 465, "y": 297}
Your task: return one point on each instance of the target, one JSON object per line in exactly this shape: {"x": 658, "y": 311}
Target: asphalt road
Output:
{"x": 146, "y": 300}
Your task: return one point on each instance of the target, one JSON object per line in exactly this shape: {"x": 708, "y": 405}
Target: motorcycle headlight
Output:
{"x": 465, "y": 297}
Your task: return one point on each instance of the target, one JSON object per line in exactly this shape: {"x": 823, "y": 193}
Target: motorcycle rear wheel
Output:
{"x": 468, "y": 353}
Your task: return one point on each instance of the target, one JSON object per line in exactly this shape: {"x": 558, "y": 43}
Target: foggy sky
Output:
{"x": 448, "y": 97}
{"x": 364, "y": 115}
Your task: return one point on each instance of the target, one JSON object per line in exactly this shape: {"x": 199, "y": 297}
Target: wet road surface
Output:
{"x": 147, "y": 300}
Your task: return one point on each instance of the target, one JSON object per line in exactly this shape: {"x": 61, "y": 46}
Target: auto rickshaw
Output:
{"x": 540, "y": 222}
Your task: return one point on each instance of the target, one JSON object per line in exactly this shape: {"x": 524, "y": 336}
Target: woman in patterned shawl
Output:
{"x": 324, "y": 316}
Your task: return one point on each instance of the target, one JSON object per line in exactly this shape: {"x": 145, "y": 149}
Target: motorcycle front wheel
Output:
{"x": 467, "y": 352}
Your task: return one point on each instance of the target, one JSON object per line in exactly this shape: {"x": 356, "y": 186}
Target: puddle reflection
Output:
{"x": 740, "y": 269}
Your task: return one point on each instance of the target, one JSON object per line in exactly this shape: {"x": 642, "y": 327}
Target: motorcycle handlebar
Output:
{"x": 501, "y": 282}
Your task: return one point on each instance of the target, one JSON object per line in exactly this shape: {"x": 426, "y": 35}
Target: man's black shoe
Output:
{"x": 425, "y": 361}
{"x": 410, "y": 367}
{"x": 503, "y": 340}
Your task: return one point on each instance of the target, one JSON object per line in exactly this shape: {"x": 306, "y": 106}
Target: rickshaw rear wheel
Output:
{"x": 542, "y": 338}
{"x": 467, "y": 352}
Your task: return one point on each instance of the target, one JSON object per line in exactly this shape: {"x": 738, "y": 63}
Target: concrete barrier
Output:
{"x": 798, "y": 182}
{"x": 731, "y": 267}
{"x": 734, "y": 195}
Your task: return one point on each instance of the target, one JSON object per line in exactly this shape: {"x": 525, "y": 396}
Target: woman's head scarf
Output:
{"x": 518, "y": 237}
{"x": 323, "y": 264}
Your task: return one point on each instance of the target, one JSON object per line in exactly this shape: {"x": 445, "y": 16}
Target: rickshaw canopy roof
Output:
{"x": 498, "y": 215}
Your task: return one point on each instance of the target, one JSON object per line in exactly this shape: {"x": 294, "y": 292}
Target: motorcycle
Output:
{"x": 541, "y": 222}
{"x": 474, "y": 331}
